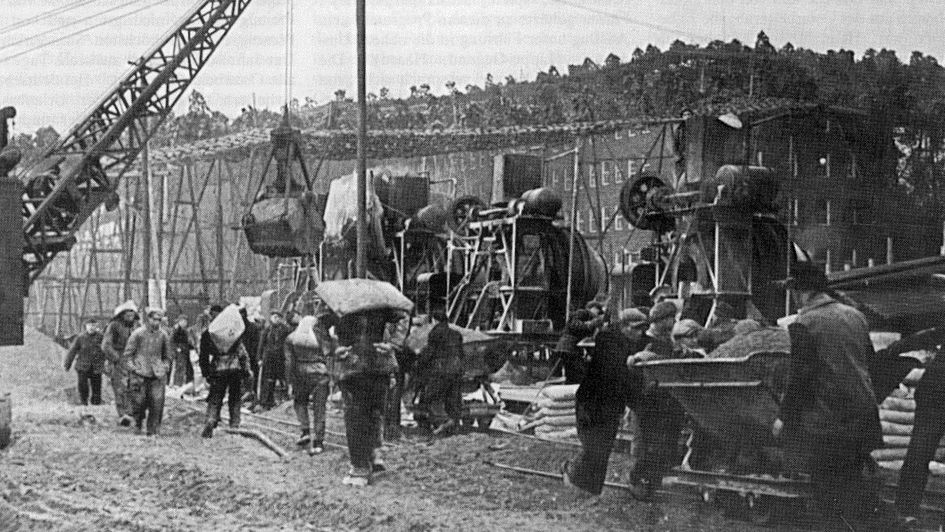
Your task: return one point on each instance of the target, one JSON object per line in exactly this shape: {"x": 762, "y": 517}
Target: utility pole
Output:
{"x": 146, "y": 228}
{"x": 361, "y": 262}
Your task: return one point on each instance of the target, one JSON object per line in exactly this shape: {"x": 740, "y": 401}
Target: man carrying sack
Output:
{"x": 224, "y": 362}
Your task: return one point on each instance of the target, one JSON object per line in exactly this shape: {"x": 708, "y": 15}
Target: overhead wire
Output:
{"x": 44, "y": 15}
{"x": 81, "y": 31}
{"x": 632, "y": 20}
{"x": 64, "y": 26}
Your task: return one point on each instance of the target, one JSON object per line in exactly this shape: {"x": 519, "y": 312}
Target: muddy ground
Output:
{"x": 69, "y": 472}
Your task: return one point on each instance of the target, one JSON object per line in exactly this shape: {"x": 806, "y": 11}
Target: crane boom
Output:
{"x": 88, "y": 163}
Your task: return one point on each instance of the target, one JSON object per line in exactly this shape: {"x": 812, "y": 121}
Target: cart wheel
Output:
{"x": 761, "y": 509}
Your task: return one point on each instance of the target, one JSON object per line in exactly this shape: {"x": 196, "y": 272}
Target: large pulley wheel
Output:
{"x": 638, "y": 204}
{"x": 463, "y": 210}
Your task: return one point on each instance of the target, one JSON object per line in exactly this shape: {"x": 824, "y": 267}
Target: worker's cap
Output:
{"x": 91, "y": 321}
{"x": 805, "y": 275}
{"x": 686, "y": 328}
{"x": 594, "y": 304}
{"x": 154, "y": 312}
{"x": 216, "y": 308}
{"x": 276, "y": 313}
{"x": 663, "y": 310}
{"x": 632, "y": 317}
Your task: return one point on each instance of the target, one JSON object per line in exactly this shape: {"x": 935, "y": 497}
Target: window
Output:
{"x": 604, "y": 217}
{"x": 795, "y": 211}
{"x": 851, "y": 168}
{"x": 607, "y": 173}
{"x": 823, "y": 215}
{"x": 579, "y": 222}
{"x": 592, "y": 175}
{"x": 567, "y": 180}
{"x": 618, "y": 221}
{"x": 591, "y": 221}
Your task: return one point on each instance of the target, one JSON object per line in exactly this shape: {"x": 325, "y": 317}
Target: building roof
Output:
{"x": 342, "y": 144}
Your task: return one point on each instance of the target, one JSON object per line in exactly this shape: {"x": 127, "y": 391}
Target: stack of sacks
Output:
{"x": 552, "y": 415}
{"x": 897, "y": 415}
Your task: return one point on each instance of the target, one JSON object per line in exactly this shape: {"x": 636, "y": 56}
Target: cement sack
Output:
{"x": 553, "y": 412}
{"x": 881, "y": 455}
{"x": 898, "y": 405}
{"x": 227, "y": 328}
{"x": 895, "y": 429}
{"x": 550, "y": 404}
{"x": 559, "y": 392}
{"x": 895, "y": 442}
{"x": 914, "y": 376}
{"x": 556, "y": 433}
{"x": 903, "y": 392}
{"x": 893, "y": 416}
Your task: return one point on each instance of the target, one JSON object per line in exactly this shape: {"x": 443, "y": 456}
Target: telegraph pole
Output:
{"x": 361, "y": 262}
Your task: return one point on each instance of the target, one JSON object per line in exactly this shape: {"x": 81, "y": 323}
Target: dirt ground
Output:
{"x": 72, "y": 468}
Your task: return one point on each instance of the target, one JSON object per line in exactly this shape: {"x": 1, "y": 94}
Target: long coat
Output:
{"x": 829, "y": 391}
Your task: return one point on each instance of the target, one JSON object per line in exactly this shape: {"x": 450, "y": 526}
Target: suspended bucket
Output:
{"x": 284, "y": 226}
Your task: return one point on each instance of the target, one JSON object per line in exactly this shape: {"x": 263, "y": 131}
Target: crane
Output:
{"x": 83, "y": 170}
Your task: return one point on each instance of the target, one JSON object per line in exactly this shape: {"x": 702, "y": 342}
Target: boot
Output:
{"x": 303, "y": 439}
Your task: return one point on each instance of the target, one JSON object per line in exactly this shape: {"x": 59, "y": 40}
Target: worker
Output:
{"x": 250, "y": 340}
{"x": 609, "y": 386}
{"x": 273, "y": 383}
{"x": 828, "y": 418}
{"x": 396, "y": 335}
{"x": 659, "y": 414}
{"x": 307, "y": 369}
{"x": 149, "y": 356}
{"x": 441, "y": 363}
{"x": 582, "y": 324}
{"x": 225, "y": 371}
{"x": 114, "y": 339}
{"x": 686, "y": 334}
{"x": 365, "y": 368}
{"x": 183, "y": 370}
{"x": 86, "y": 352}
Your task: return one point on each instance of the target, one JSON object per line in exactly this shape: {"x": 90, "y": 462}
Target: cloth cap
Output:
{"x": 216, "y": 308}
{"x": 632, "y": 316}
{"x": 154, "y": 312}
{"x": 685, "y": 328}
{"x": 127, "y": 305}
{"x": 662, "y": 310}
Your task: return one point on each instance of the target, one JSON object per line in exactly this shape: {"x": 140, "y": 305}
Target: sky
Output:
{"x": 409, "y": 42}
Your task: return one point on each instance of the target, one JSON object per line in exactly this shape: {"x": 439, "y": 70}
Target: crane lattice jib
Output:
{"x": 103, "y": 145}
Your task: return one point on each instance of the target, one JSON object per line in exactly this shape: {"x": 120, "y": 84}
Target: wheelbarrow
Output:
{"x": 733, "y": 402}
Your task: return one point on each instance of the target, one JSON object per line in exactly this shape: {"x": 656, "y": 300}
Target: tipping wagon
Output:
{"x": 733, "y": 402}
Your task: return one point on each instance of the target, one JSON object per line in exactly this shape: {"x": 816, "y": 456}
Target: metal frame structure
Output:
{"x": 105, "y": 143}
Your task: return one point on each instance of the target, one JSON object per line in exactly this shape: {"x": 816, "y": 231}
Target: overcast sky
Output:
{"x": 410, "y": 42}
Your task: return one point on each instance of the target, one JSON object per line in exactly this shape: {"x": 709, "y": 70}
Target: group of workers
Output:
{"x": 828, "y": 420}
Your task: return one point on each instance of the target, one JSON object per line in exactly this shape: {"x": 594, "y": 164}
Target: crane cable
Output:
{"x": 44, "y": 15}
{"x": 81, "y": 31}
{"x": 289, "y": 37}
{"x": 73, "y": 23}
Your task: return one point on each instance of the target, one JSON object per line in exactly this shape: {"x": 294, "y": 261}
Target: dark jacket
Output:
{"x": 213, "y": 362}
{"x": 304, "y": 359}
{"x": 443, "y": 355}
{"x": 86, "y": 352}
{"x": 250, "y": 339}
{"x": 575, "y": 331}
{"x": 609, "y": 386}
{"x": 271, "y": 351}
{"x": 829, "y": 390}
{"x": 115, "y": 338}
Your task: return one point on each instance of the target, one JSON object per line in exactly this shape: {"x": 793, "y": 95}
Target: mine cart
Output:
{"x": 732, "y": 455}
